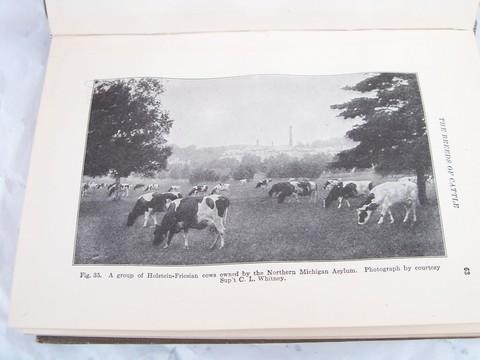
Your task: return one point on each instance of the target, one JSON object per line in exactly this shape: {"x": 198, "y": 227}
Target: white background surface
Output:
{"x": 24, "y": 43}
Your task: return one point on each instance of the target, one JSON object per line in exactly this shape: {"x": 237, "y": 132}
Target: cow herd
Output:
{"x": 204, "y": 209}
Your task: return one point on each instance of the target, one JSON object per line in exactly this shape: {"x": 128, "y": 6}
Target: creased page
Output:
{"x": 74, "y": 17}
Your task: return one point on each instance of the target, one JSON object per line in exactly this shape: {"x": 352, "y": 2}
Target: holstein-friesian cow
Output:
{"x": 217, "y": 189}
{"x": 345, "y": 190}
{"x": 283, "y": 189}
{"x": 193, "y": 213}
{"x": 151, "y": 187}
{"x": 174, "y": 188}
{"x": 340, "y": 192}
{"x": 308, "y": 188}
{"x": 198, "y": 189}
{"x": 124, "y": 188}
{"x": 384, "y": 196}
{"x": 331, "y": 183}
{"x": 149, "y": 204}
{"x": 263, "y": 183}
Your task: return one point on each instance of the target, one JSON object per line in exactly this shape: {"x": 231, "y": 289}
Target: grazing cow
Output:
{"x": 340, "y": 192}
{"x": 198, "y": 189}
{"x": 243, "y": 181}
{"x": 350, "y": 189}
{"x": 84, "y": 189}
{"x": 138, "y": 186}
{"x": 174, "y": 188}
{"x": 331, "y": 183}
{"x": 151, "y": 187}
{"x": 282, "y": 190}
{"x": 193, "y": 213}
{"x": 384, "y": 196}
{"x": 308, "y": 188}
{"x": 217, "y": 189}
{"x": 149, "y": 204}
{"x": 124, "y": 189}
{"x": 263, "y": 183}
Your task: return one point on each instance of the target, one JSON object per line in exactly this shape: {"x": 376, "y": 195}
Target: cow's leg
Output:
{"x": 392, "y": 220}
{"x": 155, "y": 219}
{"x": 407, "y": 213}
{"x": 220, "y": 231}
{"x": 146, "y": 217}
{"x": 185, "y": 238}
{"x": 169, "y": 239}
{"x": 348, "y": 203}
{"x": 340, "y": 199}
{"x": 414, "y": 212}
{"x": 382, "y": 215}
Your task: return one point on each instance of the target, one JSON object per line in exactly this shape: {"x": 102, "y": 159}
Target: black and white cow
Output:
{"x": 174, "y": 188}
{"x": 331, "y": 183}
{"x": 124, "y": 189}
{"x": 384, "y": 196}
{"x": 345, "y": 190}
{"x": 193, "y": 213}
{"x": 307, "y": 188}
{"x": 217, "y": 189}
{"x": 151, "y": 187}
{"x": 197, "y": 189}
{"x": 263, "y": 183}
{"x": 149, "y": 204}
{"x": 283, "y": 190}
{"x": 340, "y": 192}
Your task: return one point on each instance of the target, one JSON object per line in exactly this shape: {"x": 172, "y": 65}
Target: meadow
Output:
{"x": 257, "y": 229}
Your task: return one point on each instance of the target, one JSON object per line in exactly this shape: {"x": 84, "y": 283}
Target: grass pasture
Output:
{"x": 258, "y": 229}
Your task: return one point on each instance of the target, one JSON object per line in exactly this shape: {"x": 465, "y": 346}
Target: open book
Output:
{"x": 254, "y": 170}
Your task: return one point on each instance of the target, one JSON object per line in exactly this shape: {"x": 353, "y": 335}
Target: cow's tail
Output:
{"x": 191, "y": 192}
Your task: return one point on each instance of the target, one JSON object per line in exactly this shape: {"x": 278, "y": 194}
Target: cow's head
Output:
{"x": 365, "y": 211}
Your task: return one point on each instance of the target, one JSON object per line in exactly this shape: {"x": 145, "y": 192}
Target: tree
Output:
{"x": 127, "y": 129}
{"x": 391, "y": 136}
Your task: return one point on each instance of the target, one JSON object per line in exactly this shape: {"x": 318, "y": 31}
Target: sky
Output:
{"x": 242, "y": 109}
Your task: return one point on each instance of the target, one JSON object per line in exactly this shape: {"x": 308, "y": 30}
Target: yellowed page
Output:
{"x": 49, "y": 292}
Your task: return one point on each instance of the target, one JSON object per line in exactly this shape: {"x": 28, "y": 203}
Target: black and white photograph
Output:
{"x": 257, "y": 168}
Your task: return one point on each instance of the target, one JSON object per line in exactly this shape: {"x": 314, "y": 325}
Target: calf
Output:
{"x": 384, "y": 196}
{"x": 217, "y": 189}
{"x": 149, "y": 204}
{"x": 198, "y": 189}
{"x": 193, "y": 213}
{"x": 282, "y": 190}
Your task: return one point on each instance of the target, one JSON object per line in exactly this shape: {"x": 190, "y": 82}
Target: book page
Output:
{"x": 282, "y": 259}
{"x": 152, "y": 17}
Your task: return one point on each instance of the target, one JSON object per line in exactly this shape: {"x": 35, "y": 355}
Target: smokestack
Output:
{"x": 290, "y": 141}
